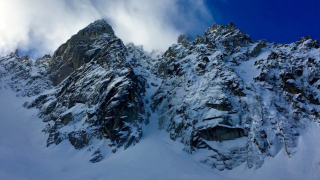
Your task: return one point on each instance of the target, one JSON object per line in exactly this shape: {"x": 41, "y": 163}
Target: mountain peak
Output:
{"x": 79, "y": 49}
{"x": 97, "y": 28}
{"x": 184, "y": 39}
{"x": 232, "y": 100}
{"x": 231, "y": 25}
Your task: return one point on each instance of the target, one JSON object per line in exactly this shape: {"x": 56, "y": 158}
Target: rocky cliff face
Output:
{"x": 100, "y": 101}
{"x": 224, "y": 86}
{"x": 221, "y": 87}
{"x": 78, "y": 50}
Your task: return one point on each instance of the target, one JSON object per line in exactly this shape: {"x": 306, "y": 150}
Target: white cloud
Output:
{"x": 45, "y": 24}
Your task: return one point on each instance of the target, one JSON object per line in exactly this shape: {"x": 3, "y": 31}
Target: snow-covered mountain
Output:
{"x": 227, "y": 100}
{"x": 100, "y": 100}
{"x": 225, "y": 86}
{"x": 25, "y": 76}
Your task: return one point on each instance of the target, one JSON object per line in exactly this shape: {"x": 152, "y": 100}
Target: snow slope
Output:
{"x": 230, "y": 68}
{"x": 24, "y": 155}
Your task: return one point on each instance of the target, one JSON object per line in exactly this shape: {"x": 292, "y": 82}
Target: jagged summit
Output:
{"x": 24, "y": 75}
{"x": 230, "y": 26}
{"x": 308, "y": 42}
{"x": 97, "y": 28}
{"x": 97, "y": 94}
{"x": 79, "y": 49}
{"x": 224, "y": 85}
{"x": 183, "y": 37}
{"x": 228, "y": 37}
{"x": 221, "y": 88}
{"x": 16, "y": 52}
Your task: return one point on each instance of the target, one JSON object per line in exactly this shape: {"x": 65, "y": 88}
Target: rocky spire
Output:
{"x": 79, "y": 49}
{"x": 214, "y": 26}
{"x": 184, "y": 39}
{"x": 231, "y": 25}
{"x": 97, "y": 28}
{"x": 16, "y": 52}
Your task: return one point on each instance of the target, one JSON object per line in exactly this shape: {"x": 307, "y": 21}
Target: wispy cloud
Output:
{"x": 44, "y": 24}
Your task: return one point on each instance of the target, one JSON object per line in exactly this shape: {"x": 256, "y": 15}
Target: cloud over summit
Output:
{"x": 43, "y": 25}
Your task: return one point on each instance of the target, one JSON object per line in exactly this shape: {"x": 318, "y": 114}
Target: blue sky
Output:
{"x": 279, "y": 21}
{"x": 31, "y": 26}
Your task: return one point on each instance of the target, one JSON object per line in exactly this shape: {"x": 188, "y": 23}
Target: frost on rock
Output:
{"x": 24, "y": 75}
{"x": 224, "y": 86}
{"x": 101, "y": 102}
{"x": 142, "y": 62}
{"x": 229, "y": 98}
{"x": 78, "y": 50}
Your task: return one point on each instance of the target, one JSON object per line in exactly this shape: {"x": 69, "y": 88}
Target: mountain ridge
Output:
{"x": 220, "y": 86}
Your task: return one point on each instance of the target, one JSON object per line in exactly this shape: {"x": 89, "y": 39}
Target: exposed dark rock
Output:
{"x": 78, "y": 50}
{"x": 221, "y": 133}
{"x": 256, "y": 51}
{"x": 97, "y": 156}
{"x": 65, "y": 119}
{"x": 309, "y": 42}
{"x": 208, "y": 92}
{"x": 221, "y": 107}
{"x": 183, "y": 37}
{"x": 155, "y": 85}
{"x": 101, "y": 97}
{"x": 231, "y": 26}
{"x": 78, "y": 139}
{"x": 213, "y": 27}
{"x": 27, "y": 76}
{"x": 217, "y": 88}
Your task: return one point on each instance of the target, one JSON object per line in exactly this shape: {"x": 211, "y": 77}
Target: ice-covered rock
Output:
{"x": 25, "y": 76}
{"x": 232, "y": 99}
{"x": 78, "y": 50}
{"x": 102, "y": 98}
{"x": 223, "y": 86}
